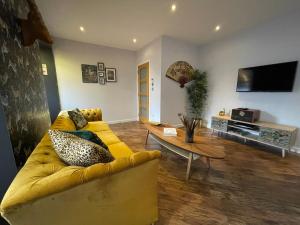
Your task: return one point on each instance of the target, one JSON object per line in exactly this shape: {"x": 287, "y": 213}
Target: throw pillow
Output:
{"x": 76, "y": 151}
{"x": 78, "y": 119}
{"x": 88, "y": 135}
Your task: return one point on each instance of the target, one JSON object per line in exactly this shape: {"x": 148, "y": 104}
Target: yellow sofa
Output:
{"x": 48, "y": 192}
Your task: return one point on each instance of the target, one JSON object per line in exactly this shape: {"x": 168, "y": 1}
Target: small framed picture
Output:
{"x": 100, "y": 66}
{"x": 111, "y": 75}
{"x": 101, "y": 74}
{"x": 102, "y": 80}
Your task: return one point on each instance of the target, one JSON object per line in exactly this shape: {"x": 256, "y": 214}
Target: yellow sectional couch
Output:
{"x": 48, "y": 192}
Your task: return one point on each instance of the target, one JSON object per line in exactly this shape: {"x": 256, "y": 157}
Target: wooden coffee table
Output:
{"x": 202, "y": 146}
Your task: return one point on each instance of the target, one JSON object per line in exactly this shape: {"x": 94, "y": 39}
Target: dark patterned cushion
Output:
{"x": 78, "y": 119}
{"x": 76, "y": 151}
{"x": 88, "y": 135}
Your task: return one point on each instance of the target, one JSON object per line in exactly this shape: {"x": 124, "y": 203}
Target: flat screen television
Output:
{"x": 269, "y": 78}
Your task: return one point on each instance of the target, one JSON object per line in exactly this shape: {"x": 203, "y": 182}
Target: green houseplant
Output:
{"x": 197, "y": 94}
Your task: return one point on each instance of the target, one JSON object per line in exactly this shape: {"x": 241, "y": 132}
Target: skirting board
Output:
{"x": 295, "y": 149}
{"x": 122, "y": 121}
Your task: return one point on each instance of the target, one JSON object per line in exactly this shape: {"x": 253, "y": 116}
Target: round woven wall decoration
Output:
{"x": 181, "y": 72}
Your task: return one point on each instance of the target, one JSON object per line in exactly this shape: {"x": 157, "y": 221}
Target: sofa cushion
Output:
{"x": 63, "y": 122}
{"x": 120, "y": 150}
{"x": 96, "y": 126}
{"x": 88, "y": 135}
{"x": 77, "y": 117}
{"x": 92, "y": 114}
{"x": 76, "y": 151}
{"x": 108, "y": 137}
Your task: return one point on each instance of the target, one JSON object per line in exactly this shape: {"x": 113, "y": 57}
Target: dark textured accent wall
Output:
{"x": 22, "y": 89}
{"x": 8, "y": 168}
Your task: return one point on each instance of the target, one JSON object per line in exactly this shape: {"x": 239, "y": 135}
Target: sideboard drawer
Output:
{"x": 219, "y": 124}
{"x": 276, "y": 137}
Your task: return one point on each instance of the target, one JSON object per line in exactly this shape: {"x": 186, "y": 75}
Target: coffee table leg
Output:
{"x": 188, "y": 169}
{"x": 208, "y": 162}
{"x": 147, "y": 137}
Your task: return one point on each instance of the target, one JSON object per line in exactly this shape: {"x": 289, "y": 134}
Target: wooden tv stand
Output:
{"x": 272, "y": 134}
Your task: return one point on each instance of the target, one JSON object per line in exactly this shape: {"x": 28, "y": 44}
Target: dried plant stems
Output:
{"x": 189, "y": 123}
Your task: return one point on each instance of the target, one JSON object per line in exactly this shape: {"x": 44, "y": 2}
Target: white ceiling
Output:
{"x": 116, "y": 22}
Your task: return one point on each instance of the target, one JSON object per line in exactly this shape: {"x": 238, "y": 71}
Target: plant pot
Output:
{"x": 189, "y": 136}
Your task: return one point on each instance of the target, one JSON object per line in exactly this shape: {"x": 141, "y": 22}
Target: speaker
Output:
{"x": 245, "y": 114}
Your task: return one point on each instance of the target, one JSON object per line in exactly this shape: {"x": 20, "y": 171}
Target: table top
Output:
{"x": 203, "y": 145}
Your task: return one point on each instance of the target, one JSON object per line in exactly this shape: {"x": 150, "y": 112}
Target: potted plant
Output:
{"x": 197, "y": 94}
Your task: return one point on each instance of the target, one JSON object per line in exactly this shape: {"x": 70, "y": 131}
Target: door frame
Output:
{"x": 144, "y": 65}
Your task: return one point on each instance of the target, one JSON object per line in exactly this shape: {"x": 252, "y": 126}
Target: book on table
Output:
{"x": 170, "y": 132}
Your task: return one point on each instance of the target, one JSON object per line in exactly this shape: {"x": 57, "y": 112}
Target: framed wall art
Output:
{"x": 89, "y": 73}
{"x": 111, "y": 75}
{"x": 100, "y": 66}
{"x": 102, "y": 80}
{"x": 101, "y": 74}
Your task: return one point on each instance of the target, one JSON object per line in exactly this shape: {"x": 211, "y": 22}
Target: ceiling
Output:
{"x": 116, "y": 22}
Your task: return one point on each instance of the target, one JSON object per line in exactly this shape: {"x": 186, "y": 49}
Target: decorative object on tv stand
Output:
{"x": 100, "y": 67}
{"x": 111, "y": 75}
{"x": 181, "y": 72}
{"x": 222, "y": 112}
{"x": 189, "y": 124}
{"x": 245, "y": 114}
{"x": 197, "y": 94}
{"x": 89, "y": 73}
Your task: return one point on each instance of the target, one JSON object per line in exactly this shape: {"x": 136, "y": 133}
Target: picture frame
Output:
{"x": 100, "y": 66}
{"x": 89, "y": 73}
{"x": 111, "y": 74}
{"x": 101, "y": 74}
{"x": 102, "y": 80}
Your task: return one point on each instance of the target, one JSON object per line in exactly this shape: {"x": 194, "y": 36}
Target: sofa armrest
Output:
{"x": 127, "y": 197}
{"x": 92, "y": 114}
{"x": 48, "y": 180}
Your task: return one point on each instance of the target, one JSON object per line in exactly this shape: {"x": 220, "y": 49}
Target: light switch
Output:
{"x": 44, "y": 69}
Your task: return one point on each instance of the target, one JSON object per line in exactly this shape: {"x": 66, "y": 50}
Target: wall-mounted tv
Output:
{"x": 269, "y": 78}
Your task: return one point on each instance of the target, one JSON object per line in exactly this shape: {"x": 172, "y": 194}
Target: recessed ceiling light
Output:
{"x": 173, "y": 7}
{"x": 134, "y": 40}
{"x": 217, "y": 28}
{"x": 81, "y": 28}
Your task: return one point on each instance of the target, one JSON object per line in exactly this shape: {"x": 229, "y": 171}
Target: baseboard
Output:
{"x": 295, "y": 149}
{"x": 122, "y": 121}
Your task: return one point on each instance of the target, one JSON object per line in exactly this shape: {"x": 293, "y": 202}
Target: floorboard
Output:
{"x": 252, "y": 186}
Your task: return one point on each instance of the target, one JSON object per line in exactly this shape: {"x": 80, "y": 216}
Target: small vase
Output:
{"x": 189, "y": 136}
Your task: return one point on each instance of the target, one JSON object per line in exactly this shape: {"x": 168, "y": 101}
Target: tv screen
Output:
{"x": 269, "y": 78}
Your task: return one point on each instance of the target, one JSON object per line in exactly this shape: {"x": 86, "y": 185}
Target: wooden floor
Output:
{"x": 252, "y": 186}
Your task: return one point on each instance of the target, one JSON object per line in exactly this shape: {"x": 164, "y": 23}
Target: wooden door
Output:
{"x": 143, "y": 92}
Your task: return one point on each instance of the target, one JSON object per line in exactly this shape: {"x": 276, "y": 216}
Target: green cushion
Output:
{"x": 88, "y": 135}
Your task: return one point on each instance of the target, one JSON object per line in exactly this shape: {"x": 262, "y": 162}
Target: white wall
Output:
{"x": 173, "y": 97}
{"x": 274, "y": 42}
{"x": 117, "y": 100}
{"x": 167, "y": 99}
{"x": 152, "y": 54}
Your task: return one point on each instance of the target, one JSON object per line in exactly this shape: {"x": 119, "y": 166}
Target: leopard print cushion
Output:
{"x": 76, "y": 151}
{"x": 78, "y": 119}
